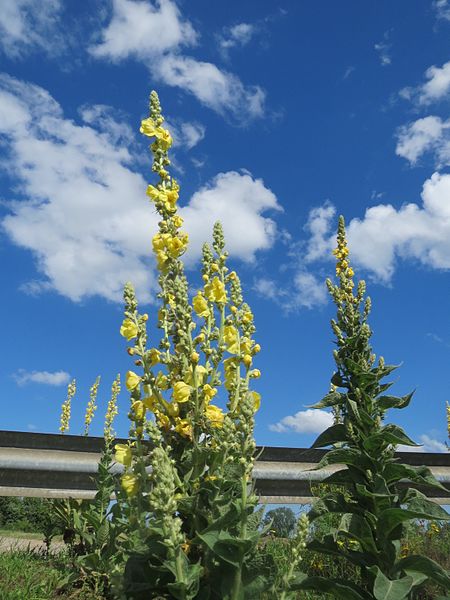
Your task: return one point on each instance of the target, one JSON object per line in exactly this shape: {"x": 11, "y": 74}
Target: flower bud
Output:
{"x": 256, "y": 348}
{"x": 247, "y": 360}
{"x": 195, "y": 356}
{"x": 131, "y": 351}
{"x": 145, "y": 317}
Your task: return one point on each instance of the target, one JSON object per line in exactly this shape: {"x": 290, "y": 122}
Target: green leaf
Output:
{"x": 390, "y": 434}
{"x": 427, "y": 566}
{"x": 358, "y": 529}
{"x": 418, "y": 507}
{"x": 335, "y": 433}
{"x": 344, "y": 456}
{"x": 387, "y": 589}
{"x": 331, "y": 399}
{"x": 397, "y": 472}
{"x": 344, "y": 590}
{"x": 386, "y": 402}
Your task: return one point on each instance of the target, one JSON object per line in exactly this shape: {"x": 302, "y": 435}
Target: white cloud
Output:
{"x": 304, "y": 421}
{"x": 27, "y": 25}
{"x": 142, "y": 29}
{"x": 386, "y": 234}
{"x": 319, "y": 225}
{"x": 217, "y": 89}
{"x": 310, "y": 291}
{"x": 430, "y": 134}
{"x": 237, "y": 35}
{"x": 84, "y": 213}
{"x": 238, "y": 201}
{"x": 442, "y": 8}
{"x": 435, "y": 89}
{"x": 56, "y": 378}
{"x": 154, "y": 33}
{"x": 428, "y": 445}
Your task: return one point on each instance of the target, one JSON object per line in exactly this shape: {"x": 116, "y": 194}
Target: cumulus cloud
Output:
{"x": 143, "y": 29}
{"x": 319, "y": 224}
{"x": 82, "y": 209}
{"x": 154, "y": 34}
{"x": 429, "y": 134}
{"x": 304, "y": 421}
{"x": 412, "y": 232}
{"x": 28, "y": 25}
{"x": 56, "y": 378}
{"x": 237, "y": 35}
{"x": 436, "y": 88}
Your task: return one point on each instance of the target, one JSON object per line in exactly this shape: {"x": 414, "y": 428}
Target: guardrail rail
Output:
{"x": 58, "y": 466}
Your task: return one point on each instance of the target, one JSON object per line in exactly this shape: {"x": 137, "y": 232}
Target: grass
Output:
{"x": 30, "y": 576}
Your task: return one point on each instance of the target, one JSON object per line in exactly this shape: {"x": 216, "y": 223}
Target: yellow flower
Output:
{"x": 200, "y": 305}
{"x": 247, "y": 317}
{"x": 246, "y": 345}
{"x": 129, "y": 484}
{"x": 164, "y": 137}
{"x": 215, "y": 415}
{"x": 123, "y": 454}
{"x": 256, "y": 400}
{"x": 181, "y": 391}
{"x": 183, "y": 427}
{"x": 350, "y": 272}
{"x": 154, "y": 356}
{"x": 247, "y": 360}
{"x": 138, "y": 409}
{"x": 215, "y": 291}
{"x": 177, "y": 245}
{"x": 150, "y": 402}
{"x": 173, "y": 409}
{"x": 162, "y": 420}
{"x": 178, "y": 221}
{"x": 132, "y": 380}
{"x": 128, "y": 329}
{"x": 172, "y": 197}
{"x": 148, "y": 127}
{"x": 231, "y": 338}
{"x": 209, "y": 392}
{"x": 200, "y": 374}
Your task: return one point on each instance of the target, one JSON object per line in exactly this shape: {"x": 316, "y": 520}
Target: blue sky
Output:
{"x": 284, "y": 115}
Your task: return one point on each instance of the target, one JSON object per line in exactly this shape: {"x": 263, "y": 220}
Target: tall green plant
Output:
{"x": 379, "y": 498}
{"x": 189, "y": 500}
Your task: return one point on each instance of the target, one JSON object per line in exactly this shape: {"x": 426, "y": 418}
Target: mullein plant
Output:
{"x": 88, "y": 525}
{"x": 380, "y": 495}
{"x": 187, "y": 487}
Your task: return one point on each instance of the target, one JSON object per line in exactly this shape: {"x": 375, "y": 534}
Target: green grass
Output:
{"x": 31, "y": 576}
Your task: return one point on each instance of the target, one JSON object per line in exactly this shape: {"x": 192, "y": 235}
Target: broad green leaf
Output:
{"x": 423, "y": 475}
{"x": 427, "y": 566}
{"x": 419, "y": 507}
{"x": 344, "y": 456}
{"x": 386, "y": 402}
{"x": 335, "y": 433}
{"x": 390, "y": 434}
{"x": 387, "y": 589}
{"x": 331, "y": 399}
{"x": 344, "y": 590}
{"x": 359, "y": 529}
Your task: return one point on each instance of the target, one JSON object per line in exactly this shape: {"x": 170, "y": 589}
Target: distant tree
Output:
{"x": 283, "y": 521}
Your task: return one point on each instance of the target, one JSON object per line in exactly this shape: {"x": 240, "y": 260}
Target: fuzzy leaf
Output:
{"x": 335, "y": 433}
{"x": 387, "y": 589}
{"x": 386, "y": 402}
{"x": 398, "y": 472}
{"x": 427, "y": 566}
{"x": 419, "y": 507}
{"x": 390, "y": 434}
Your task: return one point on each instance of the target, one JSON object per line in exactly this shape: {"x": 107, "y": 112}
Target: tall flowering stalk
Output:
{"x": 66, "y": 407}
{"x": 190, "y": 497}
{"x": 379, "y": 498}
{"x": 91, "y": 406}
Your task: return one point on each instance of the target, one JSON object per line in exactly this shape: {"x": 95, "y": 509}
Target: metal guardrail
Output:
{"x": 58, "y": 466}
